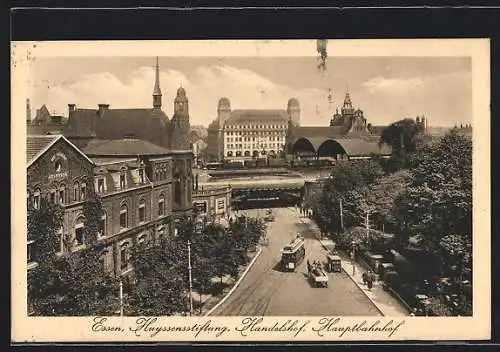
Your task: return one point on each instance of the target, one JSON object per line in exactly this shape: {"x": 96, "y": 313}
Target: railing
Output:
{"x": 211, "y": 191}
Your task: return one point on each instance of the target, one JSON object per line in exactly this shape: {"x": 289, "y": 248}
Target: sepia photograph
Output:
{"x": 262, "y": 190}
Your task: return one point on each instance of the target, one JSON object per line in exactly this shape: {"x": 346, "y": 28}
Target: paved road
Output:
{"x": 266, "y": 290}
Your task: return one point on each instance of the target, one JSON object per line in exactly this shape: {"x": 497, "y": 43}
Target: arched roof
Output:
{"x": 351, "y": 146}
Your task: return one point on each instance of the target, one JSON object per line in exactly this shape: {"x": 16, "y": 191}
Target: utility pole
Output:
{"x": 341, "y": 216}
{"x": 190, "y": 280}
{"x": 121, "y": 297}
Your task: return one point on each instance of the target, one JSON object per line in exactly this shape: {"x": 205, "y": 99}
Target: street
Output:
{"x": 265, "y": 290}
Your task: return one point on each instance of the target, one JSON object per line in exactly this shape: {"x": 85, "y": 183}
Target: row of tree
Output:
{"x": 161, "y": 271}
{"x": 76, "y": 283}
{"x": 424, "y": 189}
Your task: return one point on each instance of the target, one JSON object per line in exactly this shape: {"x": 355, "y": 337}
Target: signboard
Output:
{"x": 201, "y": 206}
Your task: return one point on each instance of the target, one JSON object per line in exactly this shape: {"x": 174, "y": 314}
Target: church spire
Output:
{"x": 157, "y": 90}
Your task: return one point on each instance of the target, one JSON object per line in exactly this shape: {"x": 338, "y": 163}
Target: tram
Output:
{"x": 293, "y": 254}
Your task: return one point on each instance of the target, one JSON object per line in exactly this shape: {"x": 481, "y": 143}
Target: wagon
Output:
{"x": 318, "y": 277}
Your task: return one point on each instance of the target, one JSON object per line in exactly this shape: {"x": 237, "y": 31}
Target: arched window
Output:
{"x": 83, "y": 191}
{"x": 229, "y": 153}
{"x": 177, "y": 189}
{"x": 79, "y": 233}
{"x": 161, "y": 234}
{"x": 142, "y": 210}
{"x": 161, "y": 204}
{"x": 62, "y": 194}
{"x": 102, "y": 226}
{"x": 238, "y": 153}
{"x": 123, "y": 217}
{"x": 142, "y": 238}
{"x": 36, "y": 198}
{"x": 76, "y": 191}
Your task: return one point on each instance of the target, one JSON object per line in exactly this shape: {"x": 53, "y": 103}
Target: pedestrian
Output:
{"x": 370, "y": 280}
{"x": 308, "y": 266}
{"x": 365, "y": 278}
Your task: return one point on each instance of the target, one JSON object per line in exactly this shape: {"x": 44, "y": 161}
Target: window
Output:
{"x": 75, "y": 191}
{"x": 52, "y": 196}
{"x": 141, "y": 176}
{"x": 142, "y": 238}
{"x": 102, "y": 226}
{"x": 124, "y": 255}
{"x": 161, "y": 234}
{"x": 100, "y": 185}
{"x": 79, "y": 235}
{"x": 142, "y": 211}
{"x": 83, "y": 190}
{"x": 36, "y": 199}
{"x": 122, "y": 181}
{"x": 177, "y": 190}
{"x": 30, "y": 251}
{"x": 161, "y": 205}
{"x": 61, "y": 196}
{"x": 123, "y": 217}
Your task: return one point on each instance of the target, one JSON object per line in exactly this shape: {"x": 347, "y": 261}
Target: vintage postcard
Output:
{"x": 241, "y": 190}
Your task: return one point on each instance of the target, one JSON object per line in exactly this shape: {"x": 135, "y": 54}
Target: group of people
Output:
{"x": 315, "y": 265}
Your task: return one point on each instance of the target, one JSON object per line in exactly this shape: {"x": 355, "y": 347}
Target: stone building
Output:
{"x": 249, "y": 133}
{"x": 139, "y": 184}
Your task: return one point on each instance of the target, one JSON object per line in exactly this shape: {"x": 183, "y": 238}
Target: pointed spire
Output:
{"x": 157, "y": 90}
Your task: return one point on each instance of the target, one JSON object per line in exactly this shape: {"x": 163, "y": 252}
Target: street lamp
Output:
{"x": 190, "y": 280}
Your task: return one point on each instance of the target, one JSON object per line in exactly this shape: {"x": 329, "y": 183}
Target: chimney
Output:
{"x": 102, "y": 109}
{"x": 71, "y": 108}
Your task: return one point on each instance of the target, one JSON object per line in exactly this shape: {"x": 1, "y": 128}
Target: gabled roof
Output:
{"x": 258, "y": 115}
{"x": 37, "y": 145}
{"x": 123, "y": 147}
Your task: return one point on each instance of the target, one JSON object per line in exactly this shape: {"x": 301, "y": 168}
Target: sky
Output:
{"x": 385, "y": 88}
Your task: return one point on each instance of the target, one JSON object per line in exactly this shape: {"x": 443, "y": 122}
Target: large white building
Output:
{"x": 250, "y": 133}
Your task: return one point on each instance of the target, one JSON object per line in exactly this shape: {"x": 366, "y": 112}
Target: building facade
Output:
{"x": 250, "y": 133}
{"x": 140, "y": 194}
{"x": 212, "y": 203}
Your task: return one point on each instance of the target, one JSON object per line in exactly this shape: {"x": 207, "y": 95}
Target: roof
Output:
{"x": 319, "y": 131}
{"x": 108, "y": 161}
{"x": 116, "y": 147}
{"x": 114, "y": 123}
{"x": 37, "y": 145}
{"x": 258, "y": 115}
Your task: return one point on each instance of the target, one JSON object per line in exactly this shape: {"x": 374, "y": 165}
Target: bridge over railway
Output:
{"x": 264, "y": 192}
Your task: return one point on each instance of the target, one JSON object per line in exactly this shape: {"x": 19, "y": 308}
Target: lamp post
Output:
{"x": 121, "y": 297}
{"x": 190, "y": 280}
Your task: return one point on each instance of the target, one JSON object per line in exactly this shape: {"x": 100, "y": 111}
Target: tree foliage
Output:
{"x": 70, "y": 283}
{"x": 439, "y": 200}
{"x": 161, "y": 271}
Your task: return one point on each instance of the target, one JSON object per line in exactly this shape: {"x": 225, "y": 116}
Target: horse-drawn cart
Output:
{"x": 318, "y": 277}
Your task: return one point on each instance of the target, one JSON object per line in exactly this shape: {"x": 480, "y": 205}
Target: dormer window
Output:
{"x": 122, "y": 181}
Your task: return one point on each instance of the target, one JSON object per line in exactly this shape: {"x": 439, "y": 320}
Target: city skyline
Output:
{"x": 385, "y": 88}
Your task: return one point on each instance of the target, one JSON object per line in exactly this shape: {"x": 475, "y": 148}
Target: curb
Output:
{"x": 235, "y": 285}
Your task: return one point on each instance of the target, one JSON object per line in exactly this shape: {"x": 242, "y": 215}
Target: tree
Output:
{"x": 69, "y": 283}
{"x": 439, "y": 200}
{"x": 401, "y": 136}
{"x": 161, "y": 279}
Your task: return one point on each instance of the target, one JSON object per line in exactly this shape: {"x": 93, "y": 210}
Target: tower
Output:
{"x": 156, "y": 89}
{"x": 293, "y": 110}
{"x": 223, "y": 111}
{"x": 347, "y": 108}
{"x": 180, "y": 127}
{"x": 28, "y": 111}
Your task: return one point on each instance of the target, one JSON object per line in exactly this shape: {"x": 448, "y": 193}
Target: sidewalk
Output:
{"x": 387, "y": 304}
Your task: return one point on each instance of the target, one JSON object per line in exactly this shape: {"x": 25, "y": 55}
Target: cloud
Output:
{"x": 392, "y": 84}
{"x": 204, "y": 86}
